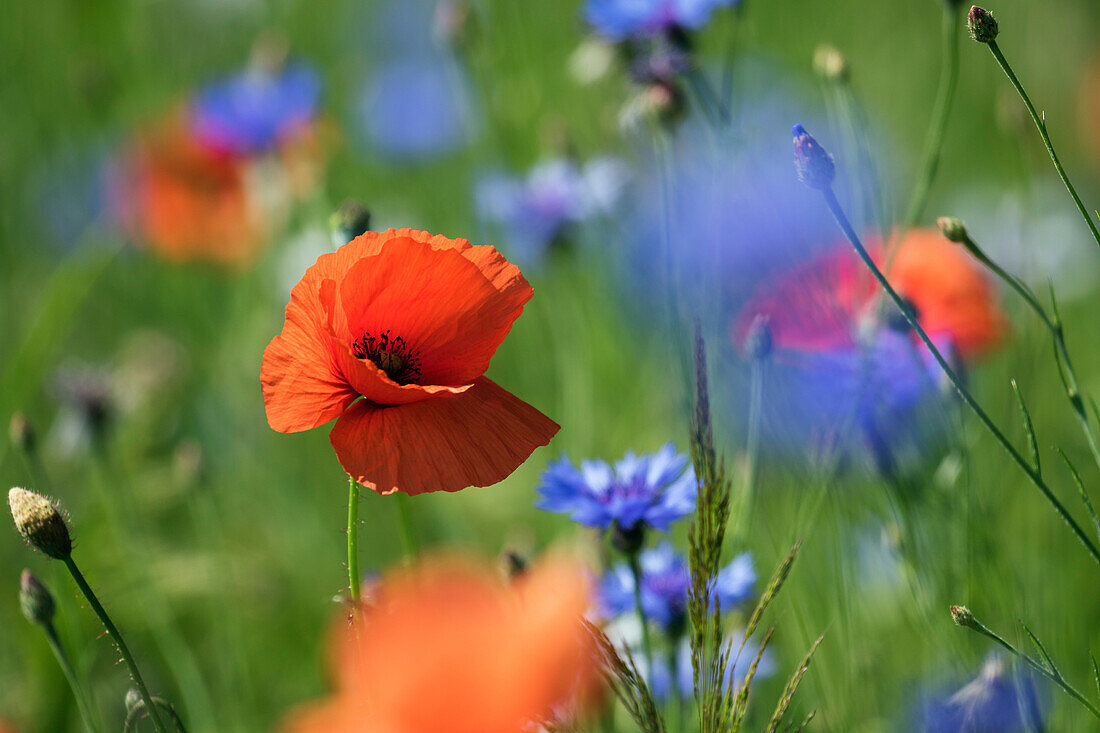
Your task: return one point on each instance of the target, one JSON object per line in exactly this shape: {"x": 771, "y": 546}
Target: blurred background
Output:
{"x": 168, "y": 170}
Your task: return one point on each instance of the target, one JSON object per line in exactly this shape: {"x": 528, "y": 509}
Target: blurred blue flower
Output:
{"x": 661, "y": 680}
{"x": 997, "y": 701}
{"x": 416, "y": 107}
{"x": 252, "y": 111}
{"x": 535, "y": 210}
{"x": 650, "y": 490}
{"x": 666, "y": 579}
{"x": 621, "y": 19}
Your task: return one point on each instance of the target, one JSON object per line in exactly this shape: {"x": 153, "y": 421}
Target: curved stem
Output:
{"x": 70, "y": 675}
{"x": 408, "y": 536}
{"x": 1073, "y": 389}
{"x": 1041, "y": 126}
{"x": 134, "y": 715}
{"x": 353, "y": 540}
{"x": 116, "y": 636}
{"x": 647, "y": 644}
{"x": 1017, "y": 458}
{"x": 941, "y": 112}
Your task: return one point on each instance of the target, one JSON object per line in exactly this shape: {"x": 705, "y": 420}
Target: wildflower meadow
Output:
{"x": 516, "y": 366}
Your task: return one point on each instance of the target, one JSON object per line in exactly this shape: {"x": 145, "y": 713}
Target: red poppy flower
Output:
{"x": 187, "y": 202}
{"x": 448, "y": 648}
{"x": 819, "y": 305}
{"x": 408, "y": 322}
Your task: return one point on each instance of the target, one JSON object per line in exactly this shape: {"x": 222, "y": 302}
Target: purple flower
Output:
{"x": 666, "y": 579}
{"x": 255, "y": 109}
{"x": 650, "y": 490}
{"x": 621, "y": 19}
{"x": 535, "y": 210}
{"x": 997, "y": 701}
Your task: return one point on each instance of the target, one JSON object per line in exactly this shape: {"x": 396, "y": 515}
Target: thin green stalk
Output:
{"x": 70, "y": 675}
{"x": 1041, "y": 126}
{"x": 353, "y": 540}
{"x": 1056, "y": 677}
{"x": 941, "y": 113}
{"x": 408, "y": 536}
{"x": 647, "y": 643}
{"x": 116, "y": 636}
{"x": 1018, "y": 459}
{"x": 1073, "y": 389}
{"x": 743, "y": 512}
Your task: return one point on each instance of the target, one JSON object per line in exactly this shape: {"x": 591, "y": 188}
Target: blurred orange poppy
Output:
{"x": 188, "y": 202}
{"x": 820, "y": 304}
{"x": 448, "y": 648}
{"x": 408, "y": 322}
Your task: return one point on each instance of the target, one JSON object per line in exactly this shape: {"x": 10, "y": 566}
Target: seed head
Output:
{"x": 982, "y": 25}
{"x": 40, "y": 523}
{"x": 962, "y": 616}
{"x": 35, "y": 599}
{"x": 349, "y": 221}
{"x": 812, "y": 162}
{"x": 952, "y": 229}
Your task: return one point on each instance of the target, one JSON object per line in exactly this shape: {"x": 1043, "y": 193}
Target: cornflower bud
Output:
{"x": 759, "y": 341}
{"x": 40, "y": 523}
{"x": 982, "y": 25}
{"x": 962, "y": 616}
{"x": 813, "y": 163}
{"x": 830, "y": 64}
{"x": 349, "y": 221}
{"x": 35, "y": 599}
{"x": 952, "y": 229}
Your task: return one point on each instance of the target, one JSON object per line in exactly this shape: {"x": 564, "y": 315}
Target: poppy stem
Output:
{"x": 945, "y": 96}
{"x": 120, "y": 644}
{"x": 1073, "y": 389}
{"x": 647, "y": 643}
{"x": 1041, "y": 126}
{"x": 70, "y": 675}
{"x": 1032, "y": 474}
{"x": 408, "y": 536}
{"x": 353, "y": 540}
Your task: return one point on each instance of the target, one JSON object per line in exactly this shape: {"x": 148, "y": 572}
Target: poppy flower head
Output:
{"x": 405, "y": 320}
{"x": 521, "y": 650}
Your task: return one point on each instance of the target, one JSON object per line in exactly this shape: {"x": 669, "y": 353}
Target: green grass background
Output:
{"x": 222, "y": 580}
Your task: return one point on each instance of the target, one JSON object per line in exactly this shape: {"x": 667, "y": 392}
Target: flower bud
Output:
{"x": 812, "y": 162}
{"x": 40, "y": 523}
{"x": 22, "y": 433}
{"x": 830, "y": 64}
{"x": 952, "y": 229}
{"x": 982, "y": 25}
{"x": 513, "y": 564}
{"x": 349, "y": 221}
{"x": 962, "y": 616}
{"x": 628, "y": 541}
{"x": 35, "y": 599}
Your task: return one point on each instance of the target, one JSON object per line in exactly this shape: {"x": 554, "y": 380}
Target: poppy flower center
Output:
{"x": 391, "y": 355}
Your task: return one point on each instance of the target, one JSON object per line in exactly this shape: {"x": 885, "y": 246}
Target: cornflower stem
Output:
{"x": 941, "y": 113}
{"x": 1073, "y": 390}
{"x": 1051, "y": 674}
{"x": 1032, "y": 474}
{"x": 353, "y": 540}
{"x": 120, "y": 643}
{"x": 647, "y": 642}
{"x": 70, "y": 675}
{"x": 1041, "y": 126}
{"x": 752, "y": 450}
{"x": 408, "y": 536}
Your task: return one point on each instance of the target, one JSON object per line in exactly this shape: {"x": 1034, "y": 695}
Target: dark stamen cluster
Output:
{"x": 391, "y": 355}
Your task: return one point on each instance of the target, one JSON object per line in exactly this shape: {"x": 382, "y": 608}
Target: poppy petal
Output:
{"x": 437, "y": 300}
{"x": 476, "y": 438}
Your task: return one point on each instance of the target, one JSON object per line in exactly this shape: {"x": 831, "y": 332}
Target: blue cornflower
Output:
{"x": 535, "y": 210}
{"x": 254, "y": 110}
{"x": 621, "y": 19}
{"x": 666, "y": 579}
{"x": 639, "y": 491}
{"x": 997, "y": 701}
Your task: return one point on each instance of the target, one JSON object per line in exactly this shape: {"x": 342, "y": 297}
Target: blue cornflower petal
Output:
{"x": 997, "y": 701}
{"x": 621, "y": 19}
{"x": 254, "y": 110}
{"x": 734, "y": 583}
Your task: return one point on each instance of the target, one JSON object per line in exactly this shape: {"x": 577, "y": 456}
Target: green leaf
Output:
{"x": 1029, "y": 428}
